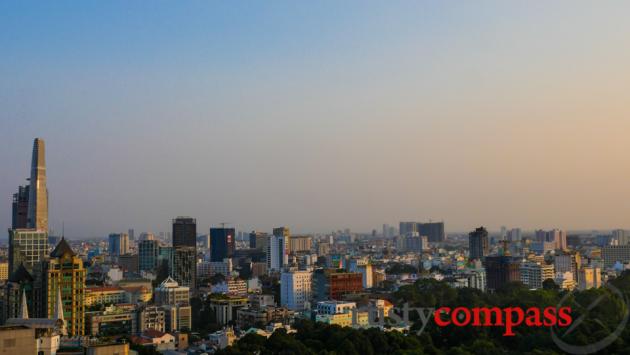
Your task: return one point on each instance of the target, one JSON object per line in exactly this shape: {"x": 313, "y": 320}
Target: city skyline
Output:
{"x": 318, "y": 119}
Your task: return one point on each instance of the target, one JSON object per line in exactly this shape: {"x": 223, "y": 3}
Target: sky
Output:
{"x": 319, "y": 115}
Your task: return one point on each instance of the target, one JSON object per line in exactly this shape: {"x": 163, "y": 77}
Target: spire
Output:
{"x": 24, "y": 308}
{"x": 58, "y": 306}
{"x": 58, "y": 316}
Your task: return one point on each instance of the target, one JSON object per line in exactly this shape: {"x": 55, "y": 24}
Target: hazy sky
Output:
{"x": 319, "y": 115}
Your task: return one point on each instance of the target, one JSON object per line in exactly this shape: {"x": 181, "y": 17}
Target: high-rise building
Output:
{"x": 66, "y": 280}
{"x": 184, "y": 232}
{"x": 37, "y": 216}
{"x": 258, "y": 240}
{"x": 568, "y": 262}
{"x": 20, "y": 208}
{"x": 185, "y": 266}
{"x": 478, "y": 243}
{"x": 533, "y": 274}
{"x": 589, "y": 277}
{"x": 300, "y": 244}
{"x": 148, "y": 252}
{"x": 331, "y": 284}
{"x": 413, "y": 243}
{"x": 433, "y": 230}
{"x": 615, "y": 253}
{"x": 557, "y": 236}
{"x": 621, "y": 237}
{"x": 28, "y": 247}
{"x": 118, "y": 244}
{"x": 169, "y": 292}
{"x": 501, "y": 269}
{"x": 285, "y": 233}
{"x": 222, "y": 242}
{"x": 277, "y": 253}
{"x": 129, "y": 262}
{"x": 295, "y": 289}
{"x": 386, "y": 231}
{"x": 514, "y": 235}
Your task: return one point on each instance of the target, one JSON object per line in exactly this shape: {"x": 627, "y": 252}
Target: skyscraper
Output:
{"x": 118, "y": 244}
{"x": 28, "y": 247}
{"x": 148, "y": 251}
{"x": 185, "y": 232}
{"x": 286, "y": 234}
{"x": 37, "y": 216}
{"x": 221, "y": 243}
{"x": 185, "y": 266}
{"x": 20, "y": 208}
{"x": 502, "y": 269}
{"x": 277, "y": 253}
{"x": 478, "y": 243}
{"x": 433, "y": 230}
{"x": 66, "y": 280}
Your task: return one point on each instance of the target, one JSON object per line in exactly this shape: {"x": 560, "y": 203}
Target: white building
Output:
{"x": 169, "y": 292}
{"x": 534, "y": 274}
{"x": 335, "y": 307}
{"x": 277, "y": 253}
{"x": 295, "y": 289}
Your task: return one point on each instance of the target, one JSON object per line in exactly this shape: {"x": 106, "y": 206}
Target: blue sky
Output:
{"x": 318, "y": 115}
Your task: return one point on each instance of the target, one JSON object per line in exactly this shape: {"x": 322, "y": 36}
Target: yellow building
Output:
{"x": 66, "y": 275}
{"x": 340, "y": 319}
{"x": 104, "y": 295}
{"x": 4, "y": 271}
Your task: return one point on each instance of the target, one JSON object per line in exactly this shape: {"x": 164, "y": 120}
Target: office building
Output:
{"x": 514, "y": 235}
{"x": 222, "y": 243}
{"x": 277, "y": 253}
{"x": 225, "y": 308}
{"x": 150, "y": 317}
{"x": 185, "y": 232}
{"x": 478, "y": 243}
{"x": 589, "y": 277}
{"x": 434, "y": 231}
{"x": 295, "y": 289}
{"x": 330, "y": 284}
{"x": 501, "y": 270}
{"x": 28, "y": 247}
{"x": 558, "y": 237}
{"x": 300, "y": 244}
{"x": 118, "y": 244}
{"x": 185, "y": 266}
{"x": 4, "y": 271}
{"x": 568, "y": 262}
{"x": 258, "y": 240}
{"x": 615, "y": 253}
{"x": 19, "y": 208}
{"x": 148, "y": 252}
{"x": 621, "y": 237}
{"x": 129, "y": 262}
{"x": 533, "y": 274}
{"x": 37, "y": 215}
{"x": 66, "y": 280}
{"x": 169, "y": 292}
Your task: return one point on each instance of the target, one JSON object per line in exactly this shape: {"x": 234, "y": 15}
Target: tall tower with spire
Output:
{"x": 37, "y": 216}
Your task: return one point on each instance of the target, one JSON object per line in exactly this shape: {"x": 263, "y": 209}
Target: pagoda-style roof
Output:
{"x": 62, "y": 249}
{"x": 21, "y": 274}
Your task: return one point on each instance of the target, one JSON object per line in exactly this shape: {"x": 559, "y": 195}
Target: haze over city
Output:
{"x": 318, "y": 116}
